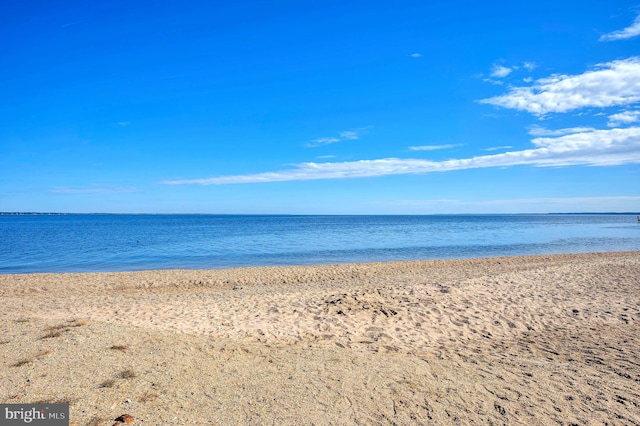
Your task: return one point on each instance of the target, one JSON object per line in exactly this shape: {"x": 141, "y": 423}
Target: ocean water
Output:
{"x": 82, "y": 243}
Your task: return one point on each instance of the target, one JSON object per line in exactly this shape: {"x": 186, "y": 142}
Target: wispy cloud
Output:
{"x": 498, "y": 148}
{"x": 625, "y": 117}
{"x": 592, "y": 148}
{"x": 416, "y": 55}
{"x": 433, "y": 147}
{"x": 347, "y": 135}
{"x": 500, "y": 71}
{"x": 124, "y": 123}
{"x": 492, "y": 81}
{"x": 541, "y": 131}
{"x": 608, "y": 84}
{"x": 629, "y": 32}
{"x": 322, "y": 141}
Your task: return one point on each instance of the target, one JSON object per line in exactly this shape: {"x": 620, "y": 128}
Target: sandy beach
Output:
{"x": 532, "y": 340}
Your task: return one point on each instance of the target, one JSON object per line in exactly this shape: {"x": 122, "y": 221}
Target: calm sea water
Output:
{"x": 78, "y": 243}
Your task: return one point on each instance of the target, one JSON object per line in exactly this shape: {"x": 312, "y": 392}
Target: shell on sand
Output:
{"x": 125, "y": 418}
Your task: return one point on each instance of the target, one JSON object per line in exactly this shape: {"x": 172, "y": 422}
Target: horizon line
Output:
{"x": 33, "y": 213}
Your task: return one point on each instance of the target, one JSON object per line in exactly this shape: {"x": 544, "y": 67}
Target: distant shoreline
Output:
{"x": 295, "y": 214}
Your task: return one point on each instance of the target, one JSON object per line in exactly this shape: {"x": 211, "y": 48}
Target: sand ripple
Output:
{"x": 526, "y": 340}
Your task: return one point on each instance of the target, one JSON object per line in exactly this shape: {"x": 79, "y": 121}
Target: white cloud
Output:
{"x": 592, "y": 148}
{"x": 322, "y": 141}
{"x": 347, "y": 135}
{"x": 608, "y": 84}
{"x": 529, "y": 66}
{"x": 432, "y": 147}
{"x": 541, "y": 131}
{"x": 498, "y": 148}
{"x": 527, "y": 79}
{"x": 500, "y": 71}
{"x": 629, "y": 32}
{"x": 415, "y": 55}
{"x": 492, "y": 81}
{"x": 625, "y": 117}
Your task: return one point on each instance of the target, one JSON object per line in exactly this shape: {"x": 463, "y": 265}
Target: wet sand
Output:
{"x": 520, "y": 340}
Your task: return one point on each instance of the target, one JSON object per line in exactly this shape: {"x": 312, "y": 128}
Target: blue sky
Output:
{"x": 320, "y": 107}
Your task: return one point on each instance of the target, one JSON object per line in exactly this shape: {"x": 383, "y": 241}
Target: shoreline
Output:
{"x": 312, "y": 265}
{"x": 518, "y": 340}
